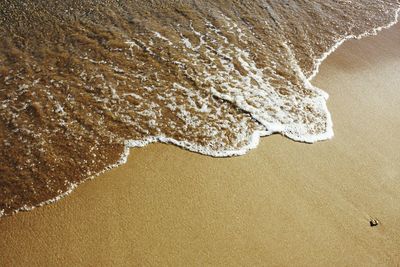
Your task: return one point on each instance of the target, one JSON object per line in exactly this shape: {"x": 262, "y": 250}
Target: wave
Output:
{"x": 81, "y": 85}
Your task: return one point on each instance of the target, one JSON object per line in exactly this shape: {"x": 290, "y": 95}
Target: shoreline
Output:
{"x": 255, "y": 138}
{"x": 281, "y": 203}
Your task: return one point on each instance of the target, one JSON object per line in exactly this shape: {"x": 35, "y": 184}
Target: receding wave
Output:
{"x": 82, "y": 81}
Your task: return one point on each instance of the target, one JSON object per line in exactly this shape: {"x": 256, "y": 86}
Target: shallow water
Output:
{"x": 80, "y": 82}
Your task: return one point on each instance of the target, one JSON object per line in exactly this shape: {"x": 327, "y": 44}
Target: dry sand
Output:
{"x": 285, "y": 203}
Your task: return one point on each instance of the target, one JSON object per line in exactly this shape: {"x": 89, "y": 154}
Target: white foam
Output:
{"x": 372, "y": 32}
{"x": 158, "y": 35}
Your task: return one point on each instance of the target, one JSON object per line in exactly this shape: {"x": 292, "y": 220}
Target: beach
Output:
{"x": 284, "y": 203}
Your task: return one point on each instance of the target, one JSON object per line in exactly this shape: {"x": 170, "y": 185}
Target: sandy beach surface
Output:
{"x": 284, "y": 203}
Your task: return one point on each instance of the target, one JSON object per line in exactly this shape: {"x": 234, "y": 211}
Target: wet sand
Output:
{"x": 284, "y": 203}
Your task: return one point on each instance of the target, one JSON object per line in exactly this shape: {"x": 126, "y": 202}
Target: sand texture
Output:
{"x": 284, "y": 203}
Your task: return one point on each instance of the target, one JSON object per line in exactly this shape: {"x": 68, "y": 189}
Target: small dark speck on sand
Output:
{"x": 373, "y": 222}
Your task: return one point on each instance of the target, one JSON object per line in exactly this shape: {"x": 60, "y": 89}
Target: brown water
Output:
{"x": 81, "y": 81}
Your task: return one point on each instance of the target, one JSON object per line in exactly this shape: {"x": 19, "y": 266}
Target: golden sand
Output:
{"x": 284, "y": 203}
